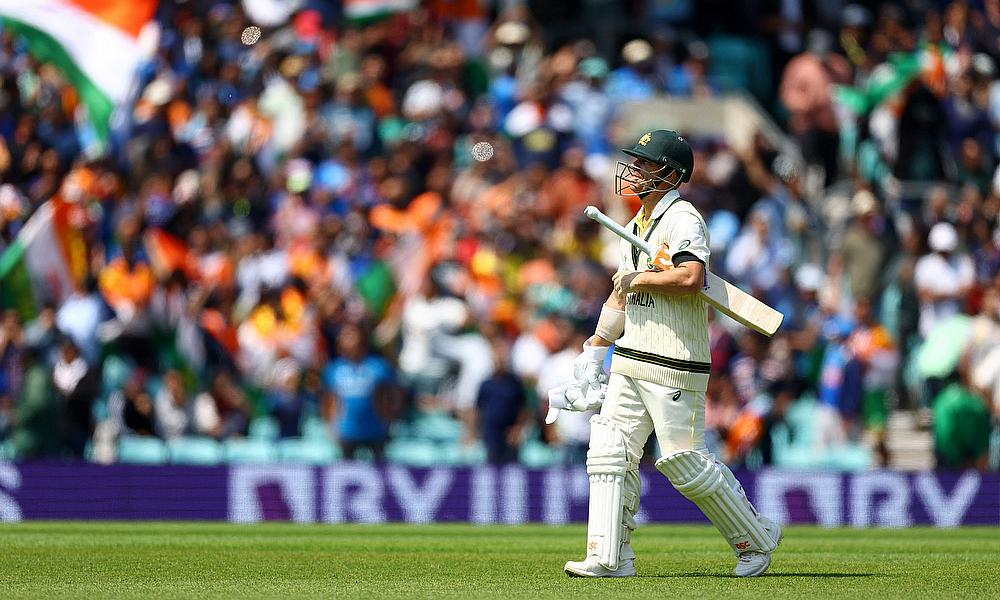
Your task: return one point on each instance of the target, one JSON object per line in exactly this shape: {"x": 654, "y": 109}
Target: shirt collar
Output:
{"x": 664, "y": 203}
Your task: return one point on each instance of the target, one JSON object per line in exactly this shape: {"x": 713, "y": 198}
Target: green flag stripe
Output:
{"x": 10, "y": 258}
{"x": 15, "y": 283}
{"x": 46, "y": 48}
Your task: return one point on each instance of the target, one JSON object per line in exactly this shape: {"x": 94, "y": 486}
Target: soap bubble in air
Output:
{"x": 482, "y": 151}
{"x": 250, "y": 35}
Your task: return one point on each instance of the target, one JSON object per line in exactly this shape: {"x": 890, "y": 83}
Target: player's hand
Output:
{"x": 589, "y": 365}
{"x": 575, "y": 396}
{"x": 623, "y": 281}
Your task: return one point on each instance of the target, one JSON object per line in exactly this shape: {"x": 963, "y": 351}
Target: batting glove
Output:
{"x": 575, "y": 396}
{"x": 589, "y": 365}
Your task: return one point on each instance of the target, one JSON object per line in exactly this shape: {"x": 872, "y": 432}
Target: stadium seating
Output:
{"x": 308, "y": 451}
{"x": 364, "y": 454}
{"x": 794, "y": 444}
{"x": 195, "y": 451}
{"x": 7, "y": 451}
{"x": 253, "y": 451}
{"x": 264, "y": 428}
{"x": 437, "y": 427}
{"x": 535, "y": 454}
{"x": 314, "y": 428}
{"x": 460, "y": 454}
{"x": 142, "y": 450}
{"x": 414, "y": 452}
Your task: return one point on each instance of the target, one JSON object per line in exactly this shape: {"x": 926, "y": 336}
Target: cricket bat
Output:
{"x": 724, "y": 296}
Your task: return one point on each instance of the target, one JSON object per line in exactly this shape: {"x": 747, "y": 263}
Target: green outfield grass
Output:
{"x": 164, "y": 560}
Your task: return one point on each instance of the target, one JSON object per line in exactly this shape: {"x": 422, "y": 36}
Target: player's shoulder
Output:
{"x": 681, "y": 206}
{"x": 682, "y": 211}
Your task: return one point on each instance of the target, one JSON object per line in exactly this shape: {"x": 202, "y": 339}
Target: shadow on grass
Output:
{"x": 731, "y": 576}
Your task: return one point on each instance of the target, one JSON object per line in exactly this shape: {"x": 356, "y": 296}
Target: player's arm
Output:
{"x": 684, "y": 279}
{"x": 679, "y": 274}
{"x": 611, "y": 322}
{"x": 587, "y": 391}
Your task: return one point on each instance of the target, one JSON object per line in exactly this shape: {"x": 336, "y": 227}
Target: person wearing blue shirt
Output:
{"x": 361, "y": 392}
{"x": 502, "y": 409}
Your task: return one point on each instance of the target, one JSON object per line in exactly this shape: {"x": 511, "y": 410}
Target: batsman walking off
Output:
{"x": 659, "y": 375}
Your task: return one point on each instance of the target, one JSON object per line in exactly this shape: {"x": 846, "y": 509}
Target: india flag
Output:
{"x": 93, "y": 42}
{"x": 35, "y": 269}
{"x": 361, "y": 12}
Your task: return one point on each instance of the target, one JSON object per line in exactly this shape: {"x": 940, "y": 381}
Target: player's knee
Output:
{"x": 607, "y": 453}
{"x": 692, "y": 472}
{"x": 674, "y": 442}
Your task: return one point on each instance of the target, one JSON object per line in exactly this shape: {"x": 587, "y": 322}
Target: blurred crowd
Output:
{"x": 298, "y": 230}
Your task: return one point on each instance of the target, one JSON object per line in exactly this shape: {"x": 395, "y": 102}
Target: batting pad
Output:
{"x": 607, "y": 463}
{"x": 703, "y": 482}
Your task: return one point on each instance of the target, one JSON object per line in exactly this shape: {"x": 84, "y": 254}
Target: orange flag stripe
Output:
{"x": 127, "y": 15}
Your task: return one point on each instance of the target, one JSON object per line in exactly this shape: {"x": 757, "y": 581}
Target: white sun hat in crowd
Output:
{"x": 943, "y": 238}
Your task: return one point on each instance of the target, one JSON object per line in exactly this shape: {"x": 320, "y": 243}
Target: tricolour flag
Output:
{"x": 360, "y": 12}
{"x": 892, "y": 76}
{"x": 94, "y": 42}
{"x": 34, "y": 269}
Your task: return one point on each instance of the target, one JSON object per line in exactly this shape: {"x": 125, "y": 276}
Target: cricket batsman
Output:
{"x": 659, "y": 375}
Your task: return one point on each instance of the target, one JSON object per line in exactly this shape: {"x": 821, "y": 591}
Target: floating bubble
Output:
{"x": 250, "y": 35}
{"x": 482, "y": 151}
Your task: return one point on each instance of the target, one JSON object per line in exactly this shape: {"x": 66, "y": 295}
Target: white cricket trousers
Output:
{"x": 640, "y": 408}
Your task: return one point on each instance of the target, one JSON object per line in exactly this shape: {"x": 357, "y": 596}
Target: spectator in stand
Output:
{"x": 79, "y": 317}
{"x": 363, "y": 398}
{"x": 864, "y": 249}
{"x": 691, "y": 77}
{"x": 174, "y": 408}
{"x": 135, "y": 406}
{"x": 803, "y": 323}
{"x": 502, "y": 408}
{"x": 223, "y": 409}
{"x": 127, "y": 285}
{"x": 37, "y": 416}
{"x": 840, "y": 384}
{"x": 76, "y": 385}
{"x": 807, "y": 92}
{"x": 41, "y": 333}
{"x": 961, "y": 424}
{"x": 429, "y": 319}
{"x": 285, "y": 400}
{"x": 943, "y": 278}
{"x": 11, "y": 356}
{"x": 872, "y": 346}
{"x": 759, "y": 256}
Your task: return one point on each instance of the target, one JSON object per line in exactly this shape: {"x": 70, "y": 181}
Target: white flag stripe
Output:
{"x": 104, "y": 53}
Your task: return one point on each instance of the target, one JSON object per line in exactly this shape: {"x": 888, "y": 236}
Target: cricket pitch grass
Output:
{"x": 194, "y": 560}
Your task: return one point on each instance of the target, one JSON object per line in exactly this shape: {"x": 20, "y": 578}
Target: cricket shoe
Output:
{"x": 754, "y": 563}
{"x": 589, "y": 567}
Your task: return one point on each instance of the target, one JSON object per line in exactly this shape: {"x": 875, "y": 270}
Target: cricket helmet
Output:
{"x": 663, "y": 147}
